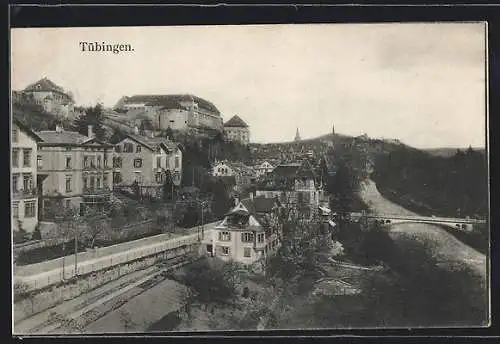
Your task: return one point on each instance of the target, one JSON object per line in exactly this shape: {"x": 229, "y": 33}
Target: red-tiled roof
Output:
{"x": 236, "y": 121}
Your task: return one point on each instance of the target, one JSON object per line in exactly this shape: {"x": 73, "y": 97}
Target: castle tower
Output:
{"x": 297, "y": 135}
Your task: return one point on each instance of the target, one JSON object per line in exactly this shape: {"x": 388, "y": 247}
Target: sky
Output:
{"x": 423, "y": 84}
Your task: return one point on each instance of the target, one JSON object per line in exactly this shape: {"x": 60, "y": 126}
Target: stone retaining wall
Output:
{"x": 29, "y": 304}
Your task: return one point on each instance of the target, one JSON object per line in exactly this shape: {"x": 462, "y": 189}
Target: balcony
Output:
{"x": 22, "y": 194}
{"x": 96, "y": 191}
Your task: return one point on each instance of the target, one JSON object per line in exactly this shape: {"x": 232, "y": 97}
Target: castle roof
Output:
{"x": 170, "y": 101}
{"x": 236, "y": 121}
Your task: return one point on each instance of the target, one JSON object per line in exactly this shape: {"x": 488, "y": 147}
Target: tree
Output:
{"x": 221, "y": 200}
{"x": 93, "y": 115}
{"x": 168, "y": 187}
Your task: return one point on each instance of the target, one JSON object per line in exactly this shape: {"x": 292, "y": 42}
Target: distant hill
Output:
{"x": 447, "y": 152}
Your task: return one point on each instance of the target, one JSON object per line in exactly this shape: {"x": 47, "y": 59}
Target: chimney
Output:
{"x": 90, "y": 131}
{"x": 59, "y": 128}
{"x": 136, "y": 130}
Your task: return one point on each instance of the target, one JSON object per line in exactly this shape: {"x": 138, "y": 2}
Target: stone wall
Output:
{"x": 26, "y": 305}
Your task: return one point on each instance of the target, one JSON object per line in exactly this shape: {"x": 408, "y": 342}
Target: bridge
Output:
{"x": 462, "y": 224}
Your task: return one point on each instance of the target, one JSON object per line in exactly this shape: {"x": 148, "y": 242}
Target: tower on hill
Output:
{"x": 297, "y": 135}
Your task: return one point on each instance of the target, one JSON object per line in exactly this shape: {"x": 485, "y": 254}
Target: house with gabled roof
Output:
{"x": 147, "y": 161}
{"x": 237, "y": 130}
{"x": 295, "y": 185}
{"x": 24, "y": 199}
{"x": 249, "y": 232}
{"x": 74, "y": 170}
{"x": 52, "y": 97}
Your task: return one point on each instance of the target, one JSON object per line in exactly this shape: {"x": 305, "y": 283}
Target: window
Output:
{"x": 105, "y": 180}
{"x": 68, "y": 162}
{"x": 29, "y": 209}
{"x": 92, "y": 162}
{"x": 225, "y": 250}
{"x": 15, "y": 134}
{"x": 39, "y": 161}
{"x": 159, "y": 177}
{"x": 15, "y": 158}
{"x": 27, "y": 182}
{"x": 118, "y": 149}
{"x": 138, "y": 149}
{"x": 15, "y": 182}
{"x": 98, "y": 182}
{"x": 85, "y": 161}
{"x": 247, "y": 253}
{"x": 26, "y": 157}
{"x": 99, "y": 162}
{"x": 128, "y": 148}
{"x": 224, "y": 236}
{"x": 68, "y": 203}
{"x": 158, "y": 161}
{"x": 69, "y": 148}
{"x": 247, "y": 237}
{"x": 85, "y": 182}
{"x": 177, "y": 162}
{"x": 117, "y": 178}
{"x": 137, "y": 163}
{"x": 15, "y": 209}
{"x": 260, "y": 237}
{"x": 68, "y": 184}
{"x": 92, "y": 182}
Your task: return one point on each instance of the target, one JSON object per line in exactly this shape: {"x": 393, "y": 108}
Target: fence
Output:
{"x": 58, "y": 275}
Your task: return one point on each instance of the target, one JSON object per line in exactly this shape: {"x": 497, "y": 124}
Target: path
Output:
{"x": 443, "y": 245}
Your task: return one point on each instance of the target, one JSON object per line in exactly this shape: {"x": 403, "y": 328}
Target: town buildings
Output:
{"x": 295, "y": 185}
{"x": 146, "y": 161}
{"x": 74, "y": 170}
{"x": 53, "y": 98}
{"x": 178, "y": 112}
{"x": 249, "y": 232}
{"x": 242, "y": 173}
{"x": 263, "y": 169}
{"x": 237, "y": 130}
{"x": 24, "y": 177}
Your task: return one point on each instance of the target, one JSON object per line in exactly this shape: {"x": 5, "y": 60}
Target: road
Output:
{"x": 443, "y": 245}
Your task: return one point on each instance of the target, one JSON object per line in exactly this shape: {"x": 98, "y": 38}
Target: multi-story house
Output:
{"x": 242, "y": 173}
{"x": 52, "y": 97}
{"x": 178, "y": 112}
{"x": 74, "y": 170}
{"x": 251, "y": 231}
{"x": 145, "y": 161}
{"x": 295, "y": 185}
{"x": 24, "y": 207}
{"x": 263, "y": 169}
{"x": 237, "y": 130}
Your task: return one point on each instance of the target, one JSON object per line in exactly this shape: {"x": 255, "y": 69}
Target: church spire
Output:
{"x": 297, "y": 135}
